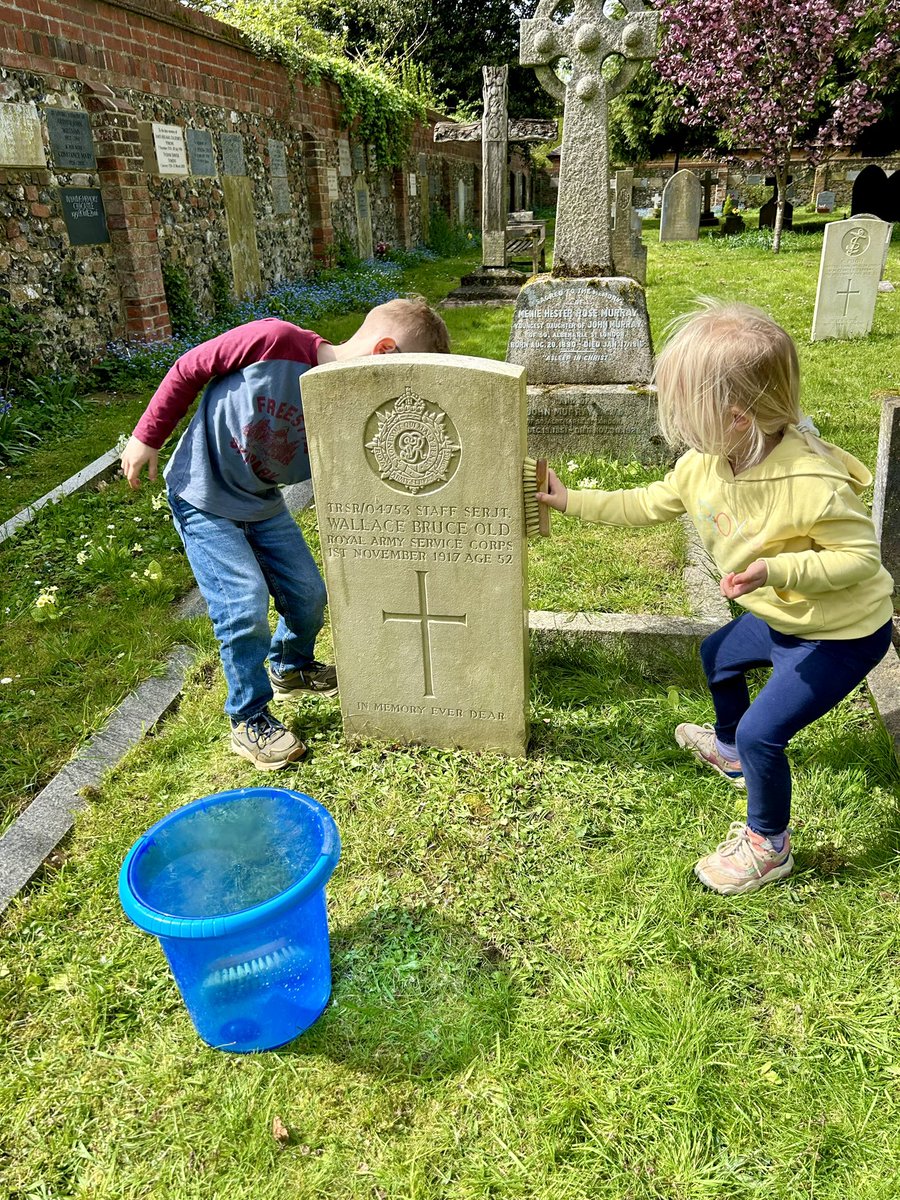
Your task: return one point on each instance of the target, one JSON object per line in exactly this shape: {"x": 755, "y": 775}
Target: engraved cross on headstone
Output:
{"x": 847, "y": 293}
{"x": 495, "y": 131}
{"x": 425, "y": 620}
{"x": 586, "y": 39}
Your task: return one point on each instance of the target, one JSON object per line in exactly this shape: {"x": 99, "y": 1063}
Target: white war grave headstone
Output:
{"x": 494, "y": 280}
{"x": 582, "y": 332}
{"x": 417, "y": 462}
{"x": 850, "y": 268}
{"x": 682, "y": 200}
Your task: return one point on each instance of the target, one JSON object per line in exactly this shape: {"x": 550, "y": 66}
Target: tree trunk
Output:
{"x": 781, "y": 175}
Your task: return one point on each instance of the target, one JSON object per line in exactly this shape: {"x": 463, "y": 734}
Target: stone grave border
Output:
{"x": 38, "y": 830}
{"x": 103, "y": 467}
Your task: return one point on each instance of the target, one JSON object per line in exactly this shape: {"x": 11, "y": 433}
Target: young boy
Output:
{"x": 246, "y": 438}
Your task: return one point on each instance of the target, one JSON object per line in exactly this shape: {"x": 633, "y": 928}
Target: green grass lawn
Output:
{"x": 532, "y": 997}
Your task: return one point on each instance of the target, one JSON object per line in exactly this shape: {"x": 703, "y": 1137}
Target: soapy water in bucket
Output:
{"x": 228, "y": 858}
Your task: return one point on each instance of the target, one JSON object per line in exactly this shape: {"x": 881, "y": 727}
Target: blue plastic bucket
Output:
{"x": 233, "y": 886}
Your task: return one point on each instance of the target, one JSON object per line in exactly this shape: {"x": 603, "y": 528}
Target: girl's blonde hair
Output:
{"x": 723, "y": 359}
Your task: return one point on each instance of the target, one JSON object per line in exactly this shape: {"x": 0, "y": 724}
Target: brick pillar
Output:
{"x": 129, "y": 213}
{"x": 321, "y": 229}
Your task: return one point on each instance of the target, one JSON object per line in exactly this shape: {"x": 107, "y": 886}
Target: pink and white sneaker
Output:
{"x": 744, "y": 862}
{"x": 700, "y": 743}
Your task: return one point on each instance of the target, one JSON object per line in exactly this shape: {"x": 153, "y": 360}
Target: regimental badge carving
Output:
{"x": 415, "y": 446}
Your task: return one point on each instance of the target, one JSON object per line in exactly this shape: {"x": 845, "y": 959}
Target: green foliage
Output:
{"x": 180, "y": 301}
{"x": 220, "y": 293}
{"x": 302, "y": 36}
{"x": 446, "y": 239}
{"x": 18, "y": 340}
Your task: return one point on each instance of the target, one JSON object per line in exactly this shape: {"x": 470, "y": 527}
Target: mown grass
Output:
{"x": 533, "y": 998}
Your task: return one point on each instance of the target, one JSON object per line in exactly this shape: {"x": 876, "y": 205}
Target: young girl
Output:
{"x": 779, "y": 512}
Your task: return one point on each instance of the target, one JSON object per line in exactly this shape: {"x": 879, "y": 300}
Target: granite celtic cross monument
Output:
{"x": 582, "y": 332}
{"x": 417, "y": 463}
{"x": 495, "y": 130}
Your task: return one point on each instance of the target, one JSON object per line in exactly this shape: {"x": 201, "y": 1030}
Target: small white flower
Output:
{"x": 158, "y": 502}
{"x": 8, "y": 610}
{"x": 137, "y": 547}
{"x": 6, "y": 679}
{"x": 587, "y": 484}
{"x": 134, "y": 574}
{"x": 571, "y": 465}
{"x": 81, "y": 557}
{"x": 137, "y": 520}
{"x": 110, "y": 527}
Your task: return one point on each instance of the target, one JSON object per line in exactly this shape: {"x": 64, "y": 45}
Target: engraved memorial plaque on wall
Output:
{"x": 21, "y": 143}
{"x": 413, "y": 183}
{"x": 71, "y": 141}
{"x": 233, "y": 154}
{"x": 331, "y": 176}
{"x": 84, "y": 215}
{"x": 168, "y": 141}
{"x": 201, "y": 155}
{"x": 281, "y": 196}
{"x": 345, "y": 167}
{"x": 277, "y": 158}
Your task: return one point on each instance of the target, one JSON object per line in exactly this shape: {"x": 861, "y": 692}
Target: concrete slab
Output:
{"x": 101, "y": 468}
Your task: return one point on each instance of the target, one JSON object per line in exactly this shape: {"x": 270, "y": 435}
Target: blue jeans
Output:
{"x": 808, "y": 679}
{"x": 238, "y": 565}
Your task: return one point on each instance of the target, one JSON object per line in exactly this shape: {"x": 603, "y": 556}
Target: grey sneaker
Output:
{"x": 265, "y": 742}
{"x": 700, "y": 742}
{"x": 317, "y": 678}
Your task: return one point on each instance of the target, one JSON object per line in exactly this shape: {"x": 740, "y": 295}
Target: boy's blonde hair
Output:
{"x": 723, "y": 359}
{"x": 416, "y": 327}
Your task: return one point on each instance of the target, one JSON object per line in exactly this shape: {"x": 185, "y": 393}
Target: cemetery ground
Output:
{"x": 533, "y": 997}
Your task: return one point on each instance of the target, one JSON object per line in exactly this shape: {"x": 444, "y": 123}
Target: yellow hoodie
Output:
{"x": 798, "y": 510}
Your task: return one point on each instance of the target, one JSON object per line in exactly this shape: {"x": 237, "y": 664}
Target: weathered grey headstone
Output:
{"x": 233, "y": 162}
{"x": 558, "y": 324}
{"x": 849, "y": 271}
{"x": 583, "y": 243}
{"x": 681, "y": 202}
{"x": 417, "y": 466}
{"x": 494, "y": 280}
{"x": 168, "y": 142}
{"x": 241, "y": 219}
{"x": 281, "y": 196}
{"x": 582, "y": 332}
{"x": 424, "y": 198}
{"x": 201, "y": 154}
{"x": 84, "y": 215}
{"x": 21, "y": 143}
{"x": 825, "y": 202}
{"x": 358, "y": 157}
{"x": 364, "y": 241}
{"x": 709, "y": 183}
{"x": 851, "y": 176}
{"x": 886, "y": 501}
{"x": 629, "y": 251}
{"x": 71, "y": 140}
{"x": 461, "y": 201}
{"x": 277, "y": 158}
{"x": 331, "y": 176}
{"x": 345, "y": 167}
{"x": 769, "y": 211}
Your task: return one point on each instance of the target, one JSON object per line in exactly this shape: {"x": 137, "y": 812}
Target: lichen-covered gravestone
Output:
{"x": 417, "y": 466}
{"x": 886, "y": 502}
{"x": 682, "y": 201}
{"x": 582, "y": 332}
{"x": 850, "y": 268}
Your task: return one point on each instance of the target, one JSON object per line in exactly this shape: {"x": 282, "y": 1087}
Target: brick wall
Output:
{"x": 130, "y": 63}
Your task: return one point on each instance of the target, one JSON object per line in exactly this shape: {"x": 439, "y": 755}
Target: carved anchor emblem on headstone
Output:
{"x": 425, "y": 620}
{"x": 586, "y": 39}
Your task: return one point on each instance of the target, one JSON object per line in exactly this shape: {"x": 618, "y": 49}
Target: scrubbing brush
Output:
{"x": 534, "y": 480}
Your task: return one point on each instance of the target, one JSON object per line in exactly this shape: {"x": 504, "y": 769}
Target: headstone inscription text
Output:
{"x": 201, "y": 154}
{"x": 277, "y": 158}
{"x": 71, "y": 141}
{"x": 84, "y": 215}
{"x": 421, "y": 528}
{"x": 331, "y": 177}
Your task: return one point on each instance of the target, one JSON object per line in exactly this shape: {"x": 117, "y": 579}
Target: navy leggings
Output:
{"x": 808, "y": 679}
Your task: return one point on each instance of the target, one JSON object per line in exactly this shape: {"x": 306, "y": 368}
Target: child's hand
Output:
{"x": 557, "y": 494}
{"x": 135, "y": 457}
{"x": 739, "y": 583}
